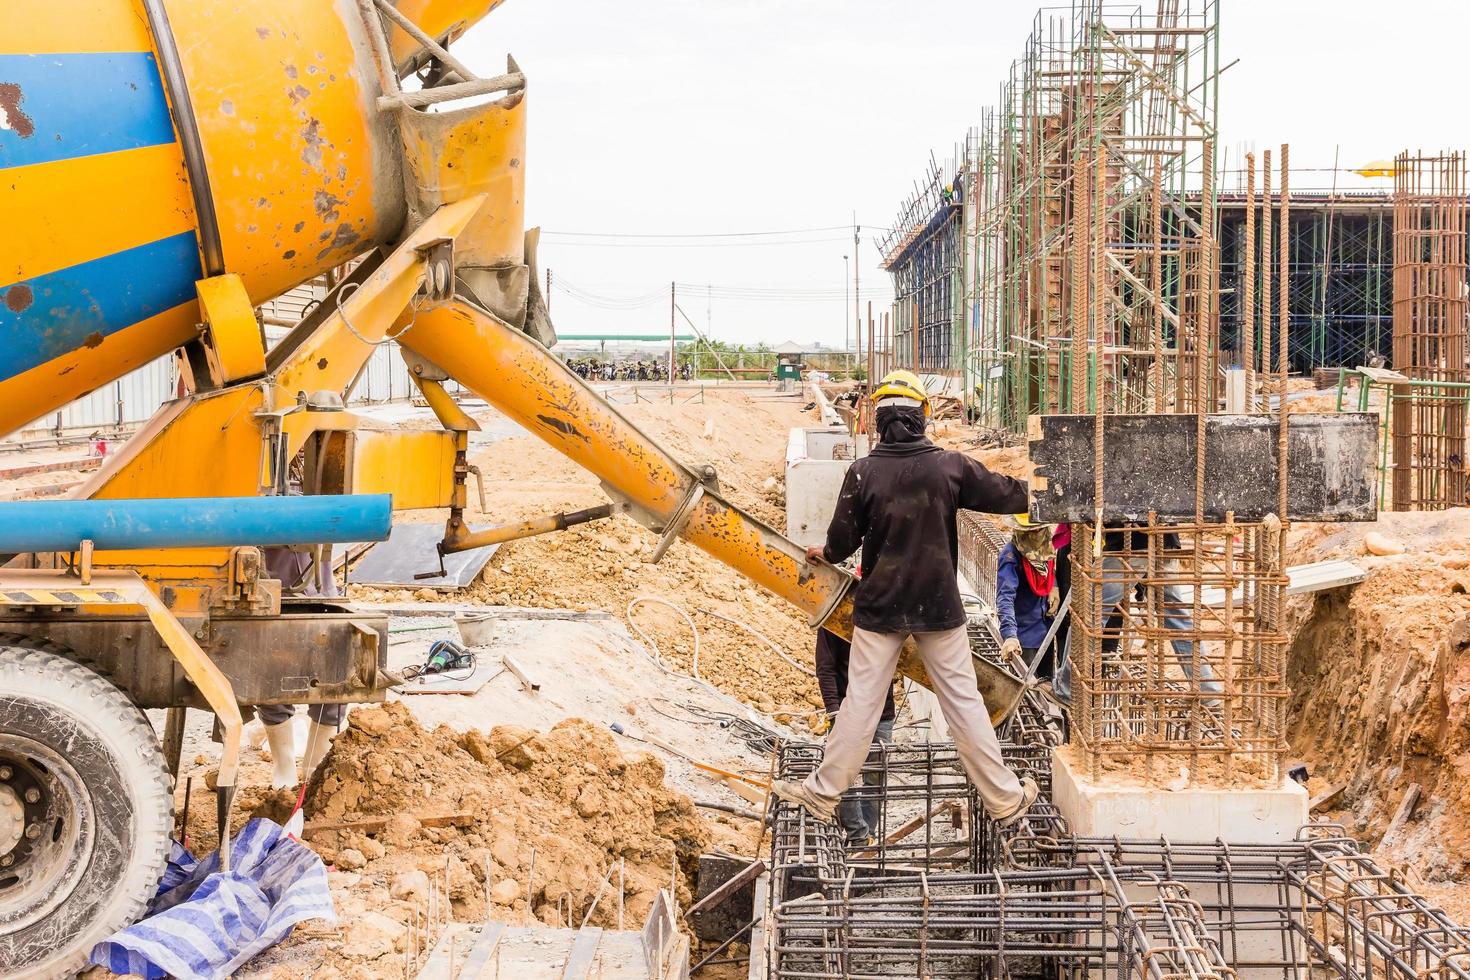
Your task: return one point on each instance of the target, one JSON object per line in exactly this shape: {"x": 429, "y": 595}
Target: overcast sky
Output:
{"x": 696, "y": 117}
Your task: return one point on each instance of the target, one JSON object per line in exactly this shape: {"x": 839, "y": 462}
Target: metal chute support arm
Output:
{"x": 524, "y": 381}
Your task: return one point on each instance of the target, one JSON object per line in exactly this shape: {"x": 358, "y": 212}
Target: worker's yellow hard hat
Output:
{"x": 902, "y": 384}
{"x": 1024, "y": 523}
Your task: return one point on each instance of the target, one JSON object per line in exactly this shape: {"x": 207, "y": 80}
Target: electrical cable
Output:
{"x": 652, "y": 643}
{"x": 759, "y": 635}
{"x": 709, "y": 234}
{"x": 656, "y": 656}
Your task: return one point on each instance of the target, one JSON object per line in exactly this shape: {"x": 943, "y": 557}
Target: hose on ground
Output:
{"x": 652, "y": 643}
{"x": 761, "y": 636}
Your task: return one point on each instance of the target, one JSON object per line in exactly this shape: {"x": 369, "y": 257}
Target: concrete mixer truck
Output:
{"x": 165, "y": 167}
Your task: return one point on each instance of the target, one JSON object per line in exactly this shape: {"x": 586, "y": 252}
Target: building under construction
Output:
{"x": 1076, "y": 272}
{"x": 550, "y": 648}
{"x": 986, "y": 254}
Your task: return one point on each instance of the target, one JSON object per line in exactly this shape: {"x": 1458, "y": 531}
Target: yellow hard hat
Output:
{"x": 902, "y": 384}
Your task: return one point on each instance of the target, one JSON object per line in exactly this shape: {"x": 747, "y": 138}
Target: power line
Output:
{"x": 689, "y": 244}
{"x": 710, "y": 234}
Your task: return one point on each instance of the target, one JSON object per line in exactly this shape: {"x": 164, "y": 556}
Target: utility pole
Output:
{"x": 548, "y": 289}
{"x": 856, "y": 292}
{"x": 672, "y": 307}
{"x": 845, "y": 328}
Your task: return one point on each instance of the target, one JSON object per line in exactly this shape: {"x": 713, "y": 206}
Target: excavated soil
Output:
{"x": 1381, "y": 682}
{"x": 546, "y": 815}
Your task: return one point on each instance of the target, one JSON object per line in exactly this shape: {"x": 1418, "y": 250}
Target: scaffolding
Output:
{"x": 922, "y": 252}
{"x": 1429, "y": 326}
{"x": 1340, "y": 279}
{"x": 1090, "y": 260}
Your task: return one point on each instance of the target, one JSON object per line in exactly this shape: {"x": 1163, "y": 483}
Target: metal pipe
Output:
{"x": 199, "y": 522}
{"x": 500, "y": 533}
{"x": 520, "y": 378}
{"x": 511, "y": 82}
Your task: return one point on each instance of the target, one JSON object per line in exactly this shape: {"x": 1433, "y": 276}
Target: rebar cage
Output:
{"x": 1179, "y": 652}
{"x": 941, "y": 894}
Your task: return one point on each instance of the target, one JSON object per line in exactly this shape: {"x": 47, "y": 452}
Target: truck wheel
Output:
{"x": 86, "y": 810}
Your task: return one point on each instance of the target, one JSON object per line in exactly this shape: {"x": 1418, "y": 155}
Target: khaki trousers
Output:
{"x": 946, "y": 656}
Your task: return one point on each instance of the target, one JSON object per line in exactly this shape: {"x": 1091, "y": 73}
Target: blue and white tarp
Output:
{"x": 206, "y": 924}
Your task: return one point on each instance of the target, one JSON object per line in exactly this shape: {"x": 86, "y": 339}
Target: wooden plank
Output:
{"x": 752, "y": 870}
{"x": 482, "y": 950}
{"x": 584, "y": 952}
{"x": 373, "y": 825}
{"x": 1317, "y": 576}
{"x": 912, "y": 825}
{"x": 1405, "y": 812}
{"x": 443, "y": 960}
{"x": 454, "y": 682}
{"x": 659, "y": 933}
{"x": 758, "y": 938}
{"x": 1324, "y": 798}
{"x": 1150, "y": 466}
{"x": 745, "y": 791}
{"x": 529, "y": 678}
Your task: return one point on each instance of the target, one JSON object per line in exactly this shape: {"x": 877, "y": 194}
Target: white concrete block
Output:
{"x": 1249, "y": 815}
{"x": 816, "y": 464}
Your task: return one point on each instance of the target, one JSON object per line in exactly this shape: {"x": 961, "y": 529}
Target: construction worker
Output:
{"x": 859, "y": 813}
{"x": 899, "y": 504}
{"x": 1028, "y": 592}
{"x": 1123, "y": 568}
{"x": 299, "y": 574}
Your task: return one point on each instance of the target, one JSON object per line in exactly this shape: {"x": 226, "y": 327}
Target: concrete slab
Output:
{"x": 1248, "y": 815}
{"x": 410, "y": 552}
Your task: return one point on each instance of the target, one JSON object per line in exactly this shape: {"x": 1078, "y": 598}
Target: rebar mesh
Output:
{"x": 1430, "y": 309}
{"x": 950, "y": 896}
{"x": 1179, "y": 653}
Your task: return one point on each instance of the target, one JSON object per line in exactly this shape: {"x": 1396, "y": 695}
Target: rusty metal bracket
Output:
{"x": 678, "y": 522}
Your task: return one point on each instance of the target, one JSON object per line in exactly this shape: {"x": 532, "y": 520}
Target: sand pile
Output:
{"x": 601, "y": 567}
{"x": 1381, "y": 675}
{"x": 568, "y": 794}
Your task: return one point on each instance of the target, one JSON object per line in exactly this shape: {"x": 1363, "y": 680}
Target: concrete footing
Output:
{"x": 1247, "y": 815}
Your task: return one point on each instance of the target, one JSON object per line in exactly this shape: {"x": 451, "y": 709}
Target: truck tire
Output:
{"x": 86, "y": 810}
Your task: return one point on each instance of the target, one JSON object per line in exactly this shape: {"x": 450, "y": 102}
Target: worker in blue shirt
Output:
{"x": 1027, "y": 592}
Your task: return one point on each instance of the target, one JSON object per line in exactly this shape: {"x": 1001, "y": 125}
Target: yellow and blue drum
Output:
{"x": 146, "y": 144}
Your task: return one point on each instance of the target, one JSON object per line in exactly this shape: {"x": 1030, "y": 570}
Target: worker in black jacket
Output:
{"x": 860, "y": 810}
{"x": 899, "y": 503}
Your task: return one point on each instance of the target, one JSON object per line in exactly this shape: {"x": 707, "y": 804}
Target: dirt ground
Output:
{"x": 742, "y": 431}
{"x": 1380, "y": 672}
{"x": 1381, "y": 682}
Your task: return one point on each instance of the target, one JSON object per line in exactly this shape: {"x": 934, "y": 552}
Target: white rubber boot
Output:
{"x": 282, "y": 741}
{"x": 318, "y": 742}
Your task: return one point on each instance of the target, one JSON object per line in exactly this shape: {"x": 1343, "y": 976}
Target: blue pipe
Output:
{"x": 193, "y": 522}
